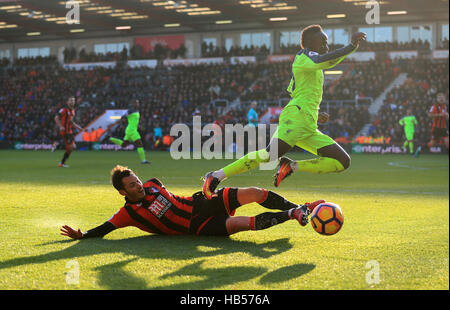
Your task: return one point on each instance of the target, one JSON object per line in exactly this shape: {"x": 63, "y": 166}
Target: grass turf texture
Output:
{"x": 396, "y": 211}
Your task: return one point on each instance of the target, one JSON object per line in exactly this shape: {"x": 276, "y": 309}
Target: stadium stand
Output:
{"x": 31, "y": 96}
{"x": 425, "y": 79}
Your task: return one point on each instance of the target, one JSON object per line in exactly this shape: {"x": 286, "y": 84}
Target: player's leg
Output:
{"x": 140, "y": 150}
{"x": 235, "y": 197}
{"x": 276, "y": 148}
{"x": 410, "y": 140}
{"x": 116, "y": 141}
{"x": 332, "y": 158}
{"x": 69, "y": 146}
{"x": 225, "y": 225}
{"x": 268, "y": 199}
{"x": 252, "y": 160}
{"x": 246, "y": 163}
{"x": 445, "y": 140}
{"x": 290, "y": 127}
{"x": 434, "y": 138}
{"x": 124, "y": 142}
{"x": 405, "y": 145}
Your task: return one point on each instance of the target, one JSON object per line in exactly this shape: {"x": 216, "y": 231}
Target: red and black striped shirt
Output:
{"x": 439, "y": 121}
{"x": 66, "y": 115}
{"x": 160, "y": 212}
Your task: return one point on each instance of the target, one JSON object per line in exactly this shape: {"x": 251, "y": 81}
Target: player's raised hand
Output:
{"x": 323, "y": 117}
{"x": 358, "y": 37}
{"x": 71, "y": 233}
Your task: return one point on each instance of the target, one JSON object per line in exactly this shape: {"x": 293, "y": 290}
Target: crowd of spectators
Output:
{"x": 30, "y": 97}
{"x": 418, "y": 45}
{"x": 136, "y": 52}
{"x": 425, "y": 80}
{"x": 160, "y": 52}
{"x": 364, "y": 79}
{"x": 413, "y": 45}
{"x": 209, "y": 50}
{"x": 346, "y": 121}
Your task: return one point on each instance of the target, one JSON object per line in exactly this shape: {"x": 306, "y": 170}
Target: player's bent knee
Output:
{"x": 257, "y": 193}
{"x": 346, "y": 161}
{"x": 250, "y": 194}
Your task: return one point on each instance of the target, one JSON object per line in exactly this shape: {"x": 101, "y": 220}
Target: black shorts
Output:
{"x": 439, "y": 133}
{"x": 209, "y": 216}
{"x": 67, "y": 137}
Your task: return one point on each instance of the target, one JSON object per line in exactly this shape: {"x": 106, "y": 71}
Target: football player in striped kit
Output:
{"x": 64, "y": 120}
{"x": 152, "y": 208}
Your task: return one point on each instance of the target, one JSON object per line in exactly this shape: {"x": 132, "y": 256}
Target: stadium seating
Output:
{"x": 32, "y": 95}
{"x": 425, "y": 79}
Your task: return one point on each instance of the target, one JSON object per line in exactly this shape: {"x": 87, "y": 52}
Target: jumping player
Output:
{"x": 152, "y": 208}
{"x": 298, "y": 120}
{"x": 131, "y": 132}
{"x": 64, "y": 120}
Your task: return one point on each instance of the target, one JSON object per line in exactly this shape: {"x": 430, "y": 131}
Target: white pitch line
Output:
{"x": 400, "y": 164}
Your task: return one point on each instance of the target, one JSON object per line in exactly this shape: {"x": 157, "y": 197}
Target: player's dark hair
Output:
{"x": 117, "y": 174}
{"x": 307, "y": 33}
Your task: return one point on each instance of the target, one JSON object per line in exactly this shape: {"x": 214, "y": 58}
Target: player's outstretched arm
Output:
{"x": 330, "y": 59}
{"x": 96, "y": 232}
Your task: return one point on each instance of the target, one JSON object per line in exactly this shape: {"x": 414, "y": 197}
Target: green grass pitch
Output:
{"x": 395, "y": 235}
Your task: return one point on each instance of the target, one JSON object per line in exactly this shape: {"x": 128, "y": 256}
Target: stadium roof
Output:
{"x": 24, "y": 20}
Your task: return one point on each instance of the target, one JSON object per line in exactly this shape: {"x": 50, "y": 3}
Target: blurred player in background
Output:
{"x": 298, "y": 120}
{"x": 409, "y": 123}
{"x": 439, "y": 113}
{"x": 152, "y": 208}
{"x": 252, "y": 115}
{"x": 64, "y": 120}
{"x": 131, "y": 132}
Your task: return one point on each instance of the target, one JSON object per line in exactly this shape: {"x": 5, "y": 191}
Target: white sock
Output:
{"x": 294, "y": 166}
{"x": 219, "y": 174}
{"x": 290, "y": 211}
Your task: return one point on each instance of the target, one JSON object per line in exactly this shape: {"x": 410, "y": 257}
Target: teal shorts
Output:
{"x": 298, "y": 128}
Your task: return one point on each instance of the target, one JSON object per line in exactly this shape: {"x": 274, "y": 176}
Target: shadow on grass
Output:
{"x": 287, "y": 273}
{"x": 113, "y": 276}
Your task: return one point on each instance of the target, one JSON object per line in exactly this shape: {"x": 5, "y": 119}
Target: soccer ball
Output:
{"x": 327, "y": 218}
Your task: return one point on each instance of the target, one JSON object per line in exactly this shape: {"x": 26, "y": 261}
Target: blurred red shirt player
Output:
{"x": 439, "y": 113}
{"x": 64, "y": 120}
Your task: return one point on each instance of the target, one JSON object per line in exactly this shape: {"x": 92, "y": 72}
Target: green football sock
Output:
{"x": 319, "y": 165}
{"x": 405, "y": 144}
{"x": 411, "y": 147}
{"x": 248, "y": 162}
{"x": 141, "y": 153}
{"x": 116, "y": 141}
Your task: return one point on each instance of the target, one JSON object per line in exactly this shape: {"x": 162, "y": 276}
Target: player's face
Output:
{"x": 319, "y": 43}
{"x": 71, "y": 102}
{"x": 440, "y": 98}
{"x": 133, "y": 188}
